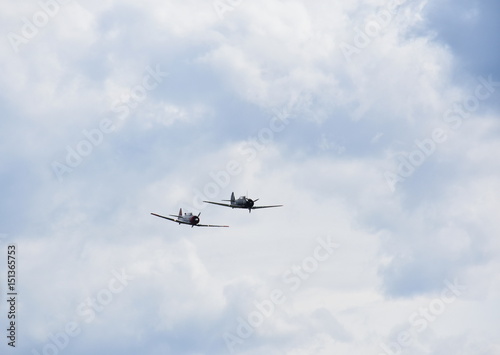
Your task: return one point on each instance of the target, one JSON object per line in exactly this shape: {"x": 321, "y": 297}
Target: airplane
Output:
{"x": 241, "y": 202}
{"x": 187, "y": 218}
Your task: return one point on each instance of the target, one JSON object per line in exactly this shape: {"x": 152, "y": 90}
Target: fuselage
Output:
{"x": 242, "y": 202}
{"x": 189, "y": 218}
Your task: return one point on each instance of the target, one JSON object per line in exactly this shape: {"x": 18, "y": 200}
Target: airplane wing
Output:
{"x": 256, "y": 207}
{"x": 208, "y": 225}
{"x": 189, "y": 224}
{"x": 173, "y": 220}
{"x": 218, "y": 203}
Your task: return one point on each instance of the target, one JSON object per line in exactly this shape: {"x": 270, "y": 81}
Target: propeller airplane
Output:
{"x": 187, "y": 218}
{"x": 241, "y": 202}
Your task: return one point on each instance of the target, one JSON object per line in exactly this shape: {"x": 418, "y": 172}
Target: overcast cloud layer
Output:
{"x": 375, "y": 124}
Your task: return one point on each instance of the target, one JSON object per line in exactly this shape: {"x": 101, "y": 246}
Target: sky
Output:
{"x": 374, "y": 122}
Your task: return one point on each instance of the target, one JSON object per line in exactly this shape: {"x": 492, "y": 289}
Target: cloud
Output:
{"x": 471, "y": 42}
{"x": 267, "y": 89}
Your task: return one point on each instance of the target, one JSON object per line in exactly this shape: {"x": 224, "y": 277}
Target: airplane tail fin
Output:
{"x": 232, "y": 198}
{"x": 180, "y": 212}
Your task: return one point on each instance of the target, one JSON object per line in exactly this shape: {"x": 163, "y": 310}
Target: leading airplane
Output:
{"x": 187, "y": 218}
{"x": 241, "y": 202}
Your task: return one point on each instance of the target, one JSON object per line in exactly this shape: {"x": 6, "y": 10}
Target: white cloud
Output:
{"x": 349, "y": 120}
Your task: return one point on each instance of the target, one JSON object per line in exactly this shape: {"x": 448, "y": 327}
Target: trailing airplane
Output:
{"x": 241, "y": 202}
{"x": 187, "y": 218}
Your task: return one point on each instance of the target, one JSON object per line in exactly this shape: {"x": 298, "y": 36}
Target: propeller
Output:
{"x": 250, "y": 204}
{"x": 195, "y": 219}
